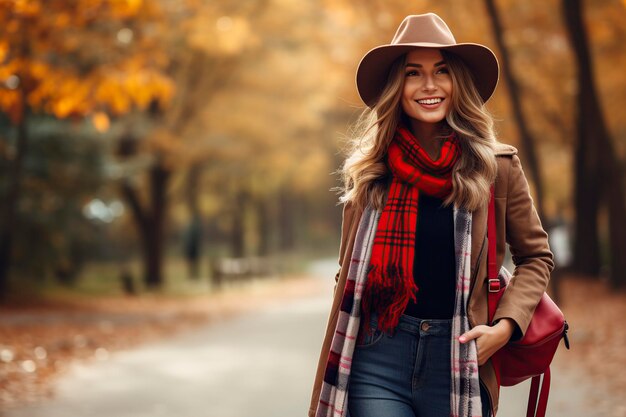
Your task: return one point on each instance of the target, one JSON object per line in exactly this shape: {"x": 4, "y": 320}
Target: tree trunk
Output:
{"x": 11, "y": 200}
{"x": 614, "y": 197}
{"x": 587, "y": 196}
{"x": 151, "y": 222}
{"x": 263, "y": 226}
{"x": 617, "y": 223}
{"x": 285, "y": 220}
{"x": 595, "y": 153}
{"x": 193, "y": 236}
{"x": 237, "y": 231}
{"x": 528, "y": 143}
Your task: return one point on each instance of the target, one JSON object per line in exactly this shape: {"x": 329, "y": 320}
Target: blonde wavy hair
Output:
{"x": 364, "y": 173}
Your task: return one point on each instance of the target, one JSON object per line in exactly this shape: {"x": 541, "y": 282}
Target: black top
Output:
{"x": 434, "y": 263}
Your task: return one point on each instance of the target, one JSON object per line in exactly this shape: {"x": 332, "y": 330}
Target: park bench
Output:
{"x": 230, "y": 270}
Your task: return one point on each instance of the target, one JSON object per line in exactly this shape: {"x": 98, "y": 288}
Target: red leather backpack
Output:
{"x": 531, "y": 356}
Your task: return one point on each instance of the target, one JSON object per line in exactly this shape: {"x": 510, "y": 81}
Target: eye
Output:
{"x": 443, "y": 70}
{"x": 411, "y": 73}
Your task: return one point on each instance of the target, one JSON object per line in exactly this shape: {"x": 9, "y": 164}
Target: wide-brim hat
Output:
{"x": 430, "y": 31}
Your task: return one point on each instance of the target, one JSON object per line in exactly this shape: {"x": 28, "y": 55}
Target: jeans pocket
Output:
{"x": 370, "y": 339}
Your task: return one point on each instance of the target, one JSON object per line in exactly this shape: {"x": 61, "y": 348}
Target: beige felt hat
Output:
{"x": 425, "y": 30}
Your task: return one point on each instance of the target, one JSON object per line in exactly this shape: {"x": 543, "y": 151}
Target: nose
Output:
{"x": 429, "y": 84}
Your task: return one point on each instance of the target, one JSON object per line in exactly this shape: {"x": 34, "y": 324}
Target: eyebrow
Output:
{"x": 437, "y": 64}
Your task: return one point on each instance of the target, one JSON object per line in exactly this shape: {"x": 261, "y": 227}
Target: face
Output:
{"x": 427, "y": 86}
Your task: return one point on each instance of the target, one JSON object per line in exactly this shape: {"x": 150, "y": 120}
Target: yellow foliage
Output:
{"x": 119, "y": 103}
{"x": 9, "y": 69}
{"x": 12, "y": 26}
{"x": 125, "y": 8}
{"x": 72, "y": 98}
{"x": 227, "y": 35}
{"x": 62, "y": 20}
{"x": 9, "y": 99}
{"x": 26, "y": 8}
{"x": 100, "y": 121}
{"x": 232, "y": 37}
{"x": 4, "y": 50}
{"x": 70, "y": 67}
{"x": 39, "y": 69}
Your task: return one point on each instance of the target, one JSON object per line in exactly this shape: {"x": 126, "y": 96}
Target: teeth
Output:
{"x": 430, "y": 101}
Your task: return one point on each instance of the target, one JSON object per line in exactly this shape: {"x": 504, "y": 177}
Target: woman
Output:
{"x": 408, "y": 334}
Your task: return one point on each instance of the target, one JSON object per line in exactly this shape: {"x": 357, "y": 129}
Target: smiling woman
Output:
{"x": 407, "y": 334}
{"x": 425, "y": 97}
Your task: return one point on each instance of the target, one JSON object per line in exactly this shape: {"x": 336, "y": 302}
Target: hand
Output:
{"x": 489, "y": 339}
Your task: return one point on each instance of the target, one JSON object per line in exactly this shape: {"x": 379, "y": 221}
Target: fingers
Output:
{"x": 483, "y": 352}
{"x": 472, "y": 334}
{"x": 476, "y": 333}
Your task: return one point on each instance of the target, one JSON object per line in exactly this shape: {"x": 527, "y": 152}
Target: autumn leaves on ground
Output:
{"x": 38, "y": 341}
{"x": 41, "y": 340}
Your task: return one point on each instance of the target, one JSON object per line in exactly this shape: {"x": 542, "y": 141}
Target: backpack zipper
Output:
{"x": 565, "y": 338}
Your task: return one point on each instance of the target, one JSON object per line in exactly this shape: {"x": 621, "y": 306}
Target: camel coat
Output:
{"x": 517, "y": 224}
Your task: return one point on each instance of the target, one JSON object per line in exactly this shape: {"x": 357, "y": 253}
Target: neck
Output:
{"x": 426, "y": 134}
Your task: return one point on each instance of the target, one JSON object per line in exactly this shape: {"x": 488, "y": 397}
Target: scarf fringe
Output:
{"x": 387, "y": 292}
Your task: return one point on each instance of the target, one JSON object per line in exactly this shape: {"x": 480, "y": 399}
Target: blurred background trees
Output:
{"x": 71, "y": 61}
{"x": 144, "y": 134}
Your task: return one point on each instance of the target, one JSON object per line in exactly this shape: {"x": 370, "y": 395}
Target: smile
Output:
{"x": 430, "y": 100}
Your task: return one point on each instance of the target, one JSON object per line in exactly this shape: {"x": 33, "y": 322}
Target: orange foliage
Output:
{"x": 77, "y": 58}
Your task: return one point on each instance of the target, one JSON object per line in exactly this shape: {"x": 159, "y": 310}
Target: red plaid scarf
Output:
{"x": 390, "y": 282}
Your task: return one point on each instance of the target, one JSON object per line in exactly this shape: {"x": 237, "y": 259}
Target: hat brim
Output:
{"x": 373, "y": 69}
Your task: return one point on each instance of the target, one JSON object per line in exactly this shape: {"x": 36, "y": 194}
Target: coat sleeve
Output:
{"x": 346, "y": 222}
{"x": 528, "y": 243}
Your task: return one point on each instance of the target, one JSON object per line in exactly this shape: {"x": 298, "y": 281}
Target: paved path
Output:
{"x": 260, "y": 365}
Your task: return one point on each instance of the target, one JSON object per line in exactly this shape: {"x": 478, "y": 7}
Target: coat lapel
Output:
{"x": 479, "y": 229}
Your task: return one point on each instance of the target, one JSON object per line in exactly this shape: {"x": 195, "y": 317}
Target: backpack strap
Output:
{"x": 495, "y": 287}
{"x": 543, "y": 396}
{"x": 495, "y": 291}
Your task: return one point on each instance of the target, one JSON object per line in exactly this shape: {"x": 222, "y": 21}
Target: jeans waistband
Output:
{"x": 416, "y": 325}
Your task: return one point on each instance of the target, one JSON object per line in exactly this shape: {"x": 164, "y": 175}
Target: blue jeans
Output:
{"x": 404, "y": 375}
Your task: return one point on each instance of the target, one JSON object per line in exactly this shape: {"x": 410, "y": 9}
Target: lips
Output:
{"x": 430, "y": 100}
{"x": 430, "y": 103}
